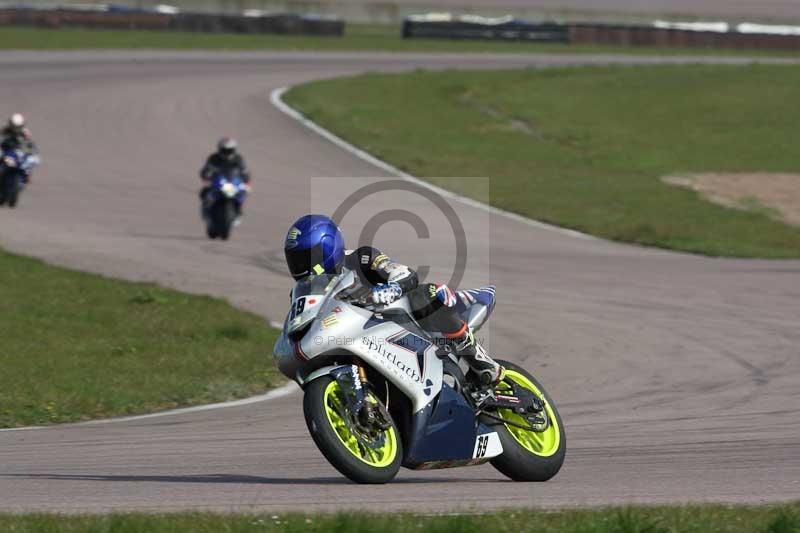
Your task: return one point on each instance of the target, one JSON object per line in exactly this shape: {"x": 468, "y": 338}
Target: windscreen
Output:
{"x": 316, "y": 285}
{"x": 307, "y": 297}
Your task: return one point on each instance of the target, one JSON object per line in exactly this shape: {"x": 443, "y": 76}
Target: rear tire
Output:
{"x": 323, "y": 395}
{"x": 517, "y": 461}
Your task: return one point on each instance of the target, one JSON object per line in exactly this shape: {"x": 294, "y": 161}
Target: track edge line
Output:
{"x": 276, "y": 98}
{"x": 284, "y": 390}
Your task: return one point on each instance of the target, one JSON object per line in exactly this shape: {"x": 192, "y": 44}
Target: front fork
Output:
{"x": 351, "y": 380}
{"x": 367, "y": 411}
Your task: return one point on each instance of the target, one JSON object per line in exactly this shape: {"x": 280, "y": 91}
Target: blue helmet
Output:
{"x": 314, "y": 245}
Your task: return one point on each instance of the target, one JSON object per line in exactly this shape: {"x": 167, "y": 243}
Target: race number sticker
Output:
{"x": 487, "y": 445}
{"x": 298, "y": 307}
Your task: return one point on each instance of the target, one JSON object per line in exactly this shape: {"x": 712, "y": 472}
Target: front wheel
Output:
{"x": 12, "y": 195}
{"x": 221, "y": 216}
{"x": 360, "y": 457}
{"x": 528, "y": 455}
{"x": 8, "y": 193}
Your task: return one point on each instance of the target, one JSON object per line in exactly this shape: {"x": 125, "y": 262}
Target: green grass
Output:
{"x": 376, "y": 38}
{"x": 585, "y": 148}
{"x": 690, "y": 519}
{"x": 77, "y": 346}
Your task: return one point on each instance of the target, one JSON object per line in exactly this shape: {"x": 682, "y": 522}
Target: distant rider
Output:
{"x": 16, "y": 136}
{"x": 227, "y": 161}
{"x": 314, "y": 245}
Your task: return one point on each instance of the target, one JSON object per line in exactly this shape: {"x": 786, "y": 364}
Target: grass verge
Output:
{"x": 358, "y": 37}
{"x": 585, "y": 148}
{"x": 76, "y": 346}
{"x": 689, "y": 519}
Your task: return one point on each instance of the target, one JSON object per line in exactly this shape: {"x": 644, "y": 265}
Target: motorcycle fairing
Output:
{"x": 410, "y": 363}
{"x": 388, "y": 340}
{"x": 417, "y": 374}
{"x": 446, "y": 434}
{"x": 224, "y": 187}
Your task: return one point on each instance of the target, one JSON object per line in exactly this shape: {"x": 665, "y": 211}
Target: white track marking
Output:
{"x": 276, "y": 97}
{"x": 280, "y": 392}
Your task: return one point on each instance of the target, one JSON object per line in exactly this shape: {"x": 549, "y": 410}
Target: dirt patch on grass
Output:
{"x": 776, "y": 195}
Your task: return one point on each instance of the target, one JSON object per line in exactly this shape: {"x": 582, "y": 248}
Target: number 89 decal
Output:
{"x": 297, "y": 307}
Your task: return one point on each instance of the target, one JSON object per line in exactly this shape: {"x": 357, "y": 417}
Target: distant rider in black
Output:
{"x": 226, "y": 160}
{"x": 15, "y": 135}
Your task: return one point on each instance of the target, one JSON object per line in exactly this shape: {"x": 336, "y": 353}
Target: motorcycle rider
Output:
{"x": 16, "y": 136}
{"x": 314, "y": 245}
{"x": 226, "y": 160}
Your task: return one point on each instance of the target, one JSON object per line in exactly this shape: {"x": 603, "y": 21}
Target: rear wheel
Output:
{"x": 528, "y": 455}
{"x": 360, "y": 457}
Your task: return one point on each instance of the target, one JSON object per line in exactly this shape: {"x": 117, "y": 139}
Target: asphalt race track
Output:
{"x": 677, "y": 375}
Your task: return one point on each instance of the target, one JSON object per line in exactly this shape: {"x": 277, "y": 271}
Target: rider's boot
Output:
{"x": 487, "y": 370}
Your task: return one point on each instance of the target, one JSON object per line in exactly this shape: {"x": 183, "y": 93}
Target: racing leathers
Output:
{"x": 433, "y": 306}
{"x": 228, "y": 165}
{"x": 20, "y": 139}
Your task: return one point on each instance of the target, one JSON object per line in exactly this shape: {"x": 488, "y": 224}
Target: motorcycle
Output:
{"x": 15, "y": 167}
{"x": 222, "y": 203}
{"x": 380, "y": 392}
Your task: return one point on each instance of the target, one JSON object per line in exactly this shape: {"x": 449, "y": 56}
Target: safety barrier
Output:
{"x": 672, "y": 37}
{"x": 446, "y": 26}
{"x": 466, "y": 27}
{"x": 287, "y": 23}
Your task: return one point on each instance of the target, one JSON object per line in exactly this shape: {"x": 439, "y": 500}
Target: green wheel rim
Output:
{"x": 544, "y": 444}
{"x": 335, "y": 409}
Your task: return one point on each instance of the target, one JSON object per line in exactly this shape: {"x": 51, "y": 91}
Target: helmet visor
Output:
{"x": 305, "y": 262}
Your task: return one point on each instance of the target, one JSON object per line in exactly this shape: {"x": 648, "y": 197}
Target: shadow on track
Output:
{"x": 169, "y": 237}
{"x": 231, "y": 478}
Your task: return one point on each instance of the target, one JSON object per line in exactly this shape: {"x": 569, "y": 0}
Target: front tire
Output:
{"x": 6, "y": 183}
{"x": 221, "y": 218}
{"x": 527, "y": 455}
{"x": 12, "y": 197}
{"x": 327, "y": 418}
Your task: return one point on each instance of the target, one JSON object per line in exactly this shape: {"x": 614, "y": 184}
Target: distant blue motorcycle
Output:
{"x": 222, "y": 204}
{"x": 15, "y": 167}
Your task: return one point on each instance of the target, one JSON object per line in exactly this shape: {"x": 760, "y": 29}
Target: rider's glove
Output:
{"x": 386, "y": 293}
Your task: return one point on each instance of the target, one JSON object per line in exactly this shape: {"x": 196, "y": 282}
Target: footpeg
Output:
{"x": 521, "y": 401}
{"x": 521, "y": 406}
